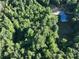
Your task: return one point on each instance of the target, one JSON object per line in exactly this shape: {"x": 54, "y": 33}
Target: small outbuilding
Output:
{"x": 61, "y": 13}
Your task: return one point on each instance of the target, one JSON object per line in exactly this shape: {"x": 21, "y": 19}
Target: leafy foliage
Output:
{"x": 29, "y": 30}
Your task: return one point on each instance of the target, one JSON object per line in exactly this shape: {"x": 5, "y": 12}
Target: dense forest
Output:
{"x": 29, "y": 30}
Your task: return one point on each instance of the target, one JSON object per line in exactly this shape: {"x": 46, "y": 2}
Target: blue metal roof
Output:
{"x": 63, "y": 16}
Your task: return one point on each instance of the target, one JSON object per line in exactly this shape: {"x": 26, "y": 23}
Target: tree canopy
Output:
{"x": 29, "y": 30}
